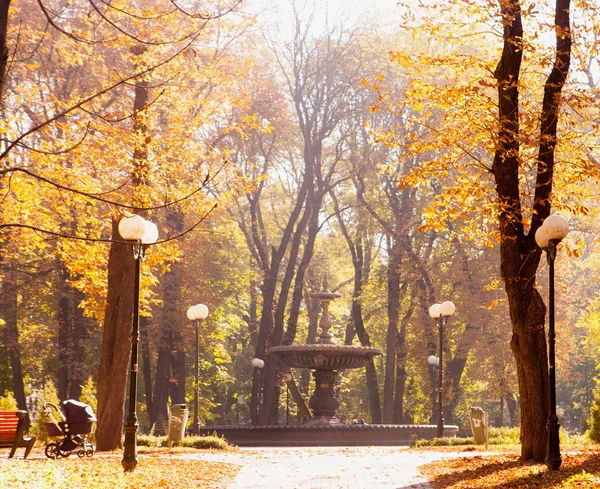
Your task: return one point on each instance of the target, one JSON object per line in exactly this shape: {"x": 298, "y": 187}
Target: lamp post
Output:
{"x": 434, "y": 362}
{"x": 197, "y": 313}
{"x": 287, "y": 378}
{"x": 441, "y": 313}
{"x": 548, "y": 235}
{"x": 257, "y": 363}
{"x": 140, "y": 233}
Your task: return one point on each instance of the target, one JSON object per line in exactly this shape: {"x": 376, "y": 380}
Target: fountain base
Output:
{"x": 331, "y": 434}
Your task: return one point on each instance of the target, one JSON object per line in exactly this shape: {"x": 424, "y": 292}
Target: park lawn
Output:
{"x": 161, "y": 468}
{"x": 579, "y": 469}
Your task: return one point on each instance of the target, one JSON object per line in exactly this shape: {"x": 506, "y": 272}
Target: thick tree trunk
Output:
{"x": 79, "y": 338}
{"x": 519, "y": 254}
{"x": 401, "y": 356}
{"x": 393, "y": 307}
{"x": 147, "y": 368}
{"x": 116, "y": 344}
{"x": 8, "y": 312}
{"x": 64, "y": 332}
{"x": 172, "y": 317}
{"x": 4, "y": 6}
{"x": 160, "y": 401}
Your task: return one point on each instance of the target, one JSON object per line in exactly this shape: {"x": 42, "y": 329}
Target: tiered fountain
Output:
{"x": 326, "y": 359}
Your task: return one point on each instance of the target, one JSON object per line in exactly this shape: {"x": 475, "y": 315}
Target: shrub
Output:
{"x": 8, "y": 402}
{"x": 496, "y": 436}
{"x": 39, "y": 417}
{"x": 594, "y": 432}
{"x": 201, "y": 442}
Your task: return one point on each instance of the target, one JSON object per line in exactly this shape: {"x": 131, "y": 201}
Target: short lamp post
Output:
{"x": 548, "y": 235}
{"x": 139, "y": 233}
{"x": 258, "y": 364}
{"x": 197, "y": 313}
{"x": 434, "y": 362}
{"x": 441, "y": 313}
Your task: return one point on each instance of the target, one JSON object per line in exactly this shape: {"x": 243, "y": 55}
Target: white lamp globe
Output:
{"x": 191, "y": 313}
{"x": 541, "y": 238}
{"x": 435, "y": 311}
{"x": 556, "y": 227}
{"x": 447, "y": 308}
{"x": 258, "y": 363}
{"x": 132, "y": 227}
{"x": 150, "y": 233}
{"x": 201, "y": 311}
{"x": 433, "y": 360}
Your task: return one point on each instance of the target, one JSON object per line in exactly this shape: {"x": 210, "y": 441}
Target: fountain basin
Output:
{"x": 325, "y": 356}
{"x": 328, "y": 435}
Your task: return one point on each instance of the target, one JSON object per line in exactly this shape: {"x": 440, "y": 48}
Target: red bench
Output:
{"x": 12, "y": 429}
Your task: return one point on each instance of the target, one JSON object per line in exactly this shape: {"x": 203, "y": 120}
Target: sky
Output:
{"x": 348, "y": 11}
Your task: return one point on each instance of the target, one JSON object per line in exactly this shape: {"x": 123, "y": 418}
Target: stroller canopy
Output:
{"x": 78, "y": 412}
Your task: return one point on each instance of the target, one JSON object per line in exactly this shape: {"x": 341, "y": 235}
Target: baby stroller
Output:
{"x": 76, "y": 422}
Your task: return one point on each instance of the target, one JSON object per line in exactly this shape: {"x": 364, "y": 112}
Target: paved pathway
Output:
{"x": 327, "y": 468}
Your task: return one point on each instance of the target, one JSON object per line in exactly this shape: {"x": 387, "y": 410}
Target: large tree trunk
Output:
{"x": 116, "y": 344}
{"x": 393, "y": 307}
{"x": 519, "y": 254}
{"x": 4, "y": 6}
{"x": 80, "y": 335}
{"x": 160, "y": 401}
{"x": 401, "y": 357}
{"x": 173, "y": 319}
{"x": 64, "y": 331}
{"x": 8, "y": 312}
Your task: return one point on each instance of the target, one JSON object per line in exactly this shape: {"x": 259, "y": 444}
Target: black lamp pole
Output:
{"x": 196, "y": 423}
{"x": 440, "y": 420}
{"x": 553, "y": 460}
{"x": 130, "y": 459}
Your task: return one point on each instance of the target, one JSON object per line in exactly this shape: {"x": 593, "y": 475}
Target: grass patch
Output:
{"x": 201, "y": 442}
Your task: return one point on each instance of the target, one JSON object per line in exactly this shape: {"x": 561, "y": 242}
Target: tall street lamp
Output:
{"x": 441, "y": 313}
{"x": 548, "y": 235}
{"x": 140, "y": 233}
{"x": 258, "y": 364}
{"x": 197, "y": 313}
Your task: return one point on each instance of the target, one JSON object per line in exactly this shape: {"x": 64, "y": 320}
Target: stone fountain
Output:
{"x": 326, "y": 359}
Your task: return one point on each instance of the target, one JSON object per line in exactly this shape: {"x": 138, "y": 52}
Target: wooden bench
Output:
{"x": 12, "y": 429}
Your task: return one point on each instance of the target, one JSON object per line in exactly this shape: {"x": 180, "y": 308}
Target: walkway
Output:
{"x": 326, "y": 468}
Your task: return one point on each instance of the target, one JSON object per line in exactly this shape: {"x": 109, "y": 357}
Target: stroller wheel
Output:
{"x": 52, "y": 450}
{"x": 89, "y": 452}
{"x": 64, "y": 453}
{"x": 81, "y": 453}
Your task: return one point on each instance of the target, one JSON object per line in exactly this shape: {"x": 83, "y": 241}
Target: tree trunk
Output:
{"x": 8, "y": 312}
{"x": 147, "y": 368}
{"x": 116, "y": 344}
{"x": 393, "y": 306}
{"x": 4, "y": 6}
{"x": 160, "y": 400}
{"x": 398, "y": 416}
{"x": 172, "y": 318}
{"x": 519, "y": 255}
{"x": 79, "y": 338}
{"x": 64, "y": 332}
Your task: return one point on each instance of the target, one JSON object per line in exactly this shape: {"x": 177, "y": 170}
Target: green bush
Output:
{"x": 594, "y": 432}
{"x": 39, "y": 417}
{"x": 201, "y": 442}
{"x": 8, "y": 402}
{"x": 497, "y": 436}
